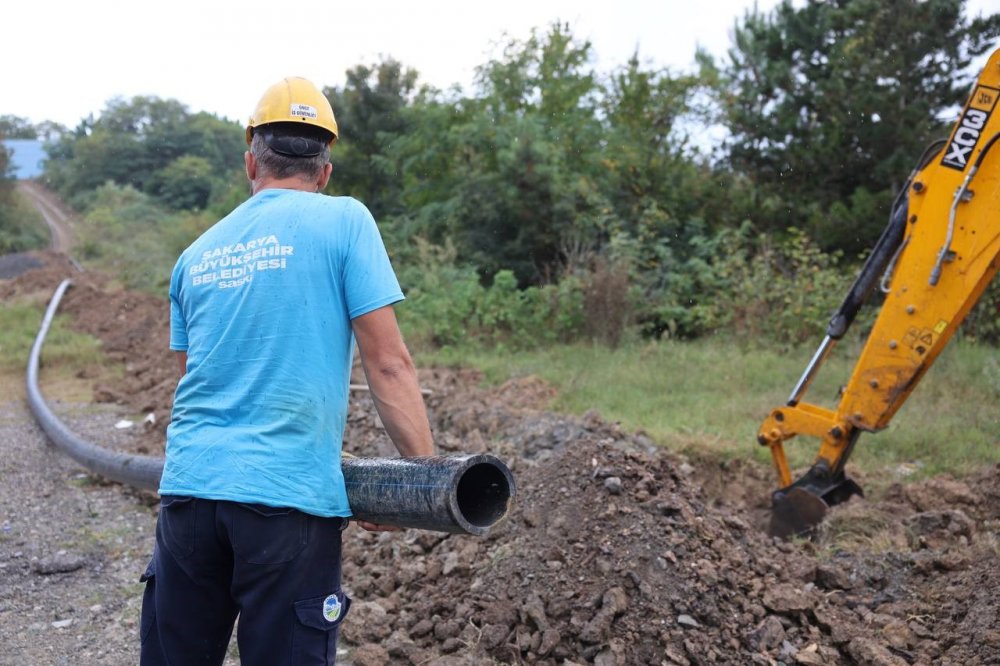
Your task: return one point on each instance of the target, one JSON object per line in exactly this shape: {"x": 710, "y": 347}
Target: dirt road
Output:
{"x": 55, "y": 214}
{"x": 617, "y": 552}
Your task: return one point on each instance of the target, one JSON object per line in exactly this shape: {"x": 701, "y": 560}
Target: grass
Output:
{"x": 712, "y": 395}
{"x": 25, "y": 227}
{"x": 66, "y": 354}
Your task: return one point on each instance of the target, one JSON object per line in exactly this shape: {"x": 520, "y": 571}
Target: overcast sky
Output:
{"x": 64, "y": 59}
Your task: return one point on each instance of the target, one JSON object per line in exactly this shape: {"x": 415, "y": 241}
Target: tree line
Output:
{"x": 554, "y": 201}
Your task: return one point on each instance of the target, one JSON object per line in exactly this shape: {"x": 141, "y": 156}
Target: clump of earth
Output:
{"x": 616, "y": 551}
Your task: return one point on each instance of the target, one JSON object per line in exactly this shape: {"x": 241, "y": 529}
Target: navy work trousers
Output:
{"x": 277, "y": 568}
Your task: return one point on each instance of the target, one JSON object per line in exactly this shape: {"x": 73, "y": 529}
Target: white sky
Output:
{"x": 64, "y": 59}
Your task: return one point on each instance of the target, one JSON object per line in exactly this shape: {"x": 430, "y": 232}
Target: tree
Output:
{"x": 19, "y": 230}
{"x": 654, "y": 181}
{"x": 184, "y": 184}
{"x": 370, "y": 112}
{"x": 14, "y": 127}
{"x": 830, "y": 105}
{"x": 5, "y": 165}
{"x": 134, "y": 142}
{"x": 527, "y": 156}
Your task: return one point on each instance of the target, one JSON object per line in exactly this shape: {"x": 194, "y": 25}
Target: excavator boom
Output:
{"x": 935, "y": 258}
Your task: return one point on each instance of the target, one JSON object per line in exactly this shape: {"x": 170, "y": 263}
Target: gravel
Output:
{"x": 72, "y": 548}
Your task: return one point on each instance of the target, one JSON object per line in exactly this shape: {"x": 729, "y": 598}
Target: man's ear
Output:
{"x": 324, "y": 177}
{"x": 251, "y": 165}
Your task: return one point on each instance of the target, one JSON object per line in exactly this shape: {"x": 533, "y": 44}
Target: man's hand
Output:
{"x": 374, "y": 527}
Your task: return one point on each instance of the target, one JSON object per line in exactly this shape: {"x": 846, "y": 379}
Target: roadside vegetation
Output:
{"x": 710, "y": 395}
{"x": 21, "y": 226}
{"x": 575, "y": 224}
{"x": 71, "y": 360}
{"x": 19, "y": 323}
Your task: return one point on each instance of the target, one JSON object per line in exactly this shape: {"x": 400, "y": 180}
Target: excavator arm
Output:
{"x": 935, "y": 258}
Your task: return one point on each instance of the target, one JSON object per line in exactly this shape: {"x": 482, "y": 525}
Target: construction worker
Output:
{"x": 265, "y": 310}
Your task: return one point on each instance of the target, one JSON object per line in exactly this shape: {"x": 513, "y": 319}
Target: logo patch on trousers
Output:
{"x": 331, "y": 608}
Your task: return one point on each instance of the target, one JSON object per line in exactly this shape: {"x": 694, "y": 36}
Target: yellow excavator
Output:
{"x": 933, "y": 261}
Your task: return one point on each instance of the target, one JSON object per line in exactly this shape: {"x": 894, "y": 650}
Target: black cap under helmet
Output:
{"x": 293, "y": 139}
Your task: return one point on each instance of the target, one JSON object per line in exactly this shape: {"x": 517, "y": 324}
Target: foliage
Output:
{"x": 19, "y": 323}
{"x": 126, "y": 232}
{"x": 448, "y": 306}
{"x": 713, "y": 393}
{"x": 370, "y": 111}
{"x": 554, "y": 202}
{"x": 786, "y": 292}
{"x": 21, "y": 227}
{"x": 154, "y": 145}
{"x": 828, "y": 99}
{"x": 185, "y": 183}
{"x": 14, "y": 127}
{"x": 983, "y": 323}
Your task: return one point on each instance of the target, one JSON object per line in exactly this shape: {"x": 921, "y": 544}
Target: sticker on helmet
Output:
{"x": 304, "y": 111}
{"x": 331, "y": 608}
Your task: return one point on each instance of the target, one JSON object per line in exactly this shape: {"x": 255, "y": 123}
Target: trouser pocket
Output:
{"x": 319, "y": 618}
{"x": 177, "y": 525}
{"x": 267, "y": 534}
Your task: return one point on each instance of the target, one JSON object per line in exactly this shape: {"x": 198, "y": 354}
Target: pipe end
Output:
{"x": 484, "y": 494}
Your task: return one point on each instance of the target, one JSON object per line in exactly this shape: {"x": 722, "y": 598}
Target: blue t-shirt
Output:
{"x": 262, "y": 303}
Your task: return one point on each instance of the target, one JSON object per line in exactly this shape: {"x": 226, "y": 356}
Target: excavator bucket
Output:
{"x": 798, "y": 509}
{"x": 795, "y": 513}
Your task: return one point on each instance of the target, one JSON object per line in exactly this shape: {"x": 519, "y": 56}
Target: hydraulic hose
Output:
{"x": 461, "y": 494}
{"x": 959, "y": 197}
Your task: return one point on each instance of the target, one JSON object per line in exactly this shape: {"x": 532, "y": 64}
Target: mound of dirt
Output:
{"x": 616, "y": 551}
{"x": 614, "y": 554}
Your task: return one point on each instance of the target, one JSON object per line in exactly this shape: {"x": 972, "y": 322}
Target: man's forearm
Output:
{"x": 393, "y": 382}
{"x": 400, "y": 405}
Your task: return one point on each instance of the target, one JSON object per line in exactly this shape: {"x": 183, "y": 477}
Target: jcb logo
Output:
{"x": 970, "y": 128}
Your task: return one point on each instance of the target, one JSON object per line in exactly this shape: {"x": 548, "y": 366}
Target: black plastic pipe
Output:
{"x": 460, "y": 494}
{"x": 134, "y": 470}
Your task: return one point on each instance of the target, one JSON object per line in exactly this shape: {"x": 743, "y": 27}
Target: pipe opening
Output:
{"x": 483, "y": 494}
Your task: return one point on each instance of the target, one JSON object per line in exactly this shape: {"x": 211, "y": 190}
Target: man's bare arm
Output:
{"x": 182, "y": 361}
{"x": 392, "y": 379}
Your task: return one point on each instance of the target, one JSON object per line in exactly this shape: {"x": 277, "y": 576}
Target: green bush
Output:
{"x": 781, "y": 289}
{"x": 21, "y": 225}
{"x": 126, "y": 232}
{"x": 447, "y": 305}
{"x": 983, "y": 322}
{"x": 786, "y": 291}
{"x": 184, "y": 184}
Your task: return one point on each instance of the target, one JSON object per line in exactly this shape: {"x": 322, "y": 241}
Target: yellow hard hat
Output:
{"x": 294, "y": 100}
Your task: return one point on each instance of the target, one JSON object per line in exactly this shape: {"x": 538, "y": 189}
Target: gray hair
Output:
{"x": 276, "y": 165}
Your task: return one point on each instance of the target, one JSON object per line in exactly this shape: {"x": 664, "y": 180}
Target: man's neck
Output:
{"x": 283, "y": 184}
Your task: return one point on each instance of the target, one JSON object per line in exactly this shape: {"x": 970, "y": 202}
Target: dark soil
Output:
{"x": 12, "y": 265}
{"x": 617, "y": 551}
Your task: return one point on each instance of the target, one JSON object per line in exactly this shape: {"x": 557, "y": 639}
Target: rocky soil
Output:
{"x": 616, "y": 551}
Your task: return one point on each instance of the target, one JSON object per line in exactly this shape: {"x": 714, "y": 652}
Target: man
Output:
{"x": 265, "y": 309}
